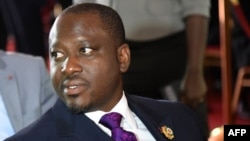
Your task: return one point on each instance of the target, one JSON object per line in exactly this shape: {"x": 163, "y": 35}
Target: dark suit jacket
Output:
{"x": 59, "y": 124}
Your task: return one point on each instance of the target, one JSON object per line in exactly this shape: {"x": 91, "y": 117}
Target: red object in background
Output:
{"x": 11, "y": 45}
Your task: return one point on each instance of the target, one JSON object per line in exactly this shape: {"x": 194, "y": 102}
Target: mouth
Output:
{"x": 73, "y": 90}
{"x": 74, "y": 87}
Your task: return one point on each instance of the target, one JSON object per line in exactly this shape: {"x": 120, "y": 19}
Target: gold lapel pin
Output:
{"x": 168, "y": 132}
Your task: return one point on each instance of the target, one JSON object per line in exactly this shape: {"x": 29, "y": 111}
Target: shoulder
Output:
{"x": 174, "y": 114}
{"x": 21, "y": 57}
{"x": 161, "y": 108}
{"x": 157, "y": 104}
{"x": 20, "y": 62}
{"x": 38, "y": 130}
{"x": 164, "y": 108}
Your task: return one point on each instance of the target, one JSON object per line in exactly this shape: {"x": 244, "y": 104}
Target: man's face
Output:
{"x": 85, "y": 63}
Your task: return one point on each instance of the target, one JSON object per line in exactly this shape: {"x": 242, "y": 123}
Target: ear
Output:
{"x": 124, "y": 57}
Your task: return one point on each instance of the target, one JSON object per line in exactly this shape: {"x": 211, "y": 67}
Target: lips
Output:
{"x": 74, "y": 87}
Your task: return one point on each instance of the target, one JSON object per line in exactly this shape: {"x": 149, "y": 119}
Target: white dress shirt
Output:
{"x": 130, "y": 121}
{"x": 6, "y": 128}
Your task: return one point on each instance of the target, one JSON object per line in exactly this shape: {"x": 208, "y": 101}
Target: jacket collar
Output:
{"x": 10, "y": 94}
{"x": 2, "y": 63}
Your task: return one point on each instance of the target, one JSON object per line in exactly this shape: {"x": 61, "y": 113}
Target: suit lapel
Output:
{"x": 89, "y": 128}
{"x": 9, "y": 91}
{"x": 151, "y": 121}
{"x": 76, "y": 125}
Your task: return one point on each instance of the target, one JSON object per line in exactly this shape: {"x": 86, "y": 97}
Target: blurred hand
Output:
{"x": 193, "y": 89}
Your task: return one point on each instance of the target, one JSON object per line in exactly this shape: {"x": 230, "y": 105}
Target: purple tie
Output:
{"x": 112, "y": 121}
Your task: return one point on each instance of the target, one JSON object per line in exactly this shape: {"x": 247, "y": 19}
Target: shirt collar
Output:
{"x": 121, "y": 107}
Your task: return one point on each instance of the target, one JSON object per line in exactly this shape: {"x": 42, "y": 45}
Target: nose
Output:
{"x": 71, "y": 66}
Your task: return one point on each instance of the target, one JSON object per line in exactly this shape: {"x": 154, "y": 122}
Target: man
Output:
{"x": 26, "y": 91}
{"x": 88, "y": 55}
{"x": 167, "y": 39}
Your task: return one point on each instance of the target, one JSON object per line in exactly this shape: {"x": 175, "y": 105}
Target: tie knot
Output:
{"x": 111, "y": 120}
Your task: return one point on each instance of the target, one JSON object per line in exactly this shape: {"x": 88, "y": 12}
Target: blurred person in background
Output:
{"x": 26, "y": 91}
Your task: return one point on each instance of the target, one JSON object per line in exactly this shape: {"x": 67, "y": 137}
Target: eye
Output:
{"x": 86, "y": 50}
{"x": 56, "y": 55}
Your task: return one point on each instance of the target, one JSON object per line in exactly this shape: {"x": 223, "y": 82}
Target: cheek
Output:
{"x": 55, "y": 77}
{"x": 105, "y": 75}
{"x": 103, "y": 71}
{"x": 97, "y": 75}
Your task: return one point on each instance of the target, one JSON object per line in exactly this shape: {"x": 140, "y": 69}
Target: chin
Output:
{"x": 77, "y": 108}
{"x": 75, "y": 104}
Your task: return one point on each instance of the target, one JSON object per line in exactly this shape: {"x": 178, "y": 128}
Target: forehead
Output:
{"x": 73, "y": 24}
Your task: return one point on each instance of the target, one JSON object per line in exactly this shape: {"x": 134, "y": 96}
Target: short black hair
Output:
{"x": 111, "y": 20}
